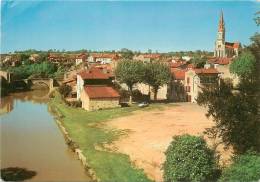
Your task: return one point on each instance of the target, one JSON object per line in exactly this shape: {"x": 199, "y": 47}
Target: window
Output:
{"x": 188, "y": 80}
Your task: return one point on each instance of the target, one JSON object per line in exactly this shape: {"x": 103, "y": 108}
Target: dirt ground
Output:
{"x": 150, "y": 133}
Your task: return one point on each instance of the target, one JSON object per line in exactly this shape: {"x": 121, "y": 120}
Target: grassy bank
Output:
{"x": 84, "y": 129}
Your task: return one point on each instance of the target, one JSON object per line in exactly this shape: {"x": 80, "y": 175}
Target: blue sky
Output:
{"x": 137, "y": 25}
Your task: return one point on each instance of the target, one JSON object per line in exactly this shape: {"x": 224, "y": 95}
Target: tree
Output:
{"x": 236, "y": 112}
{"x": 188, "y": 158}
{"x": 127, "y": 54}
{"x": 129, "y": 72}
{"x": 156, "y": 75}
{"x": 235, "y": 116}
{"x": 244, "y": 65}
{"x": 199, "y": 61}
{"x": 244, "y": 168}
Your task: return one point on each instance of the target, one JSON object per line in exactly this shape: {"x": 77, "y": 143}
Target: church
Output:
{"x": 222, "y": 48}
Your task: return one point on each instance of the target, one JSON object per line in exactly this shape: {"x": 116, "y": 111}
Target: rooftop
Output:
{"x": 93, "y": 73}
{"x": 97, "y": 92}
{"x": 178, "y": 74}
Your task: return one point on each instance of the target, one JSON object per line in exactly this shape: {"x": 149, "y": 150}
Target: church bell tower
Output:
{"x": 220, "y": 42}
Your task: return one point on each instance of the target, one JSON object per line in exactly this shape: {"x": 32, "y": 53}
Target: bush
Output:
{"x": 65, "y": 90}
{"x": 244, "y": 168}
{"x": 73, "y": 103}
{"x": 189, "y": 159}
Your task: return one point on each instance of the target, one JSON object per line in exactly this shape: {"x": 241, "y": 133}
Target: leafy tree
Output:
{"x": 188, "y": 158}
{"x": 199, "y": 61}
{"x": 236, "y": 112}
{"x": 44, "y": 69}
{"x": 127, "y": 54}
{"x": 156, "y": 75}
{"x": 129, "y": 72}
{"x": 235, "y": 116}
{"x": 244, "y": 168}
{"x": 244, "y": 65}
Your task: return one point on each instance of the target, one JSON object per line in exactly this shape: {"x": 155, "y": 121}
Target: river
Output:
{"x": 31, "y": 139}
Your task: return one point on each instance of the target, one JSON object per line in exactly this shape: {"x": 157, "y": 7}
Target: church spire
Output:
{"x": 221, "y": 26}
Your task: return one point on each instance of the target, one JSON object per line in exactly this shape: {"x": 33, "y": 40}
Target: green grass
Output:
{"x": 84, "y": 129}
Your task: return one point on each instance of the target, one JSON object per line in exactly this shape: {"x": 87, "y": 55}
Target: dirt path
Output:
{"x": 151, "y": 132}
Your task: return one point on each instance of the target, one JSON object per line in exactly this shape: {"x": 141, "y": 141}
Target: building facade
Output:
{"x": 195, "y": 79}
{"x": 96, "y": 97}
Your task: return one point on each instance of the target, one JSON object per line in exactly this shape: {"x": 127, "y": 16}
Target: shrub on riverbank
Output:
{"x": 188, "y": 158}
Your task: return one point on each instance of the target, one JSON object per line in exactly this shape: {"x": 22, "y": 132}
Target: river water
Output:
{"x": 31, "y": 139}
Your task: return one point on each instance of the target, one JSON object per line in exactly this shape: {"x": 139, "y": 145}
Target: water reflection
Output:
{"x": 16, "y": 174}
{"x": 31, "y": 139}
{"x": 36, "y": 96}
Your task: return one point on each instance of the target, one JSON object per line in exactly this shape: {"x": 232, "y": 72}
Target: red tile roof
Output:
{"x": 206, "y": 71}
{"x": 221, "y": 61}
{"x": 98, "y": 92}
{"x": 93, "y": 73}
{"x": 178, "y": 74}
{"x": 232, "y": 45}
{"x": 177, "y": 64}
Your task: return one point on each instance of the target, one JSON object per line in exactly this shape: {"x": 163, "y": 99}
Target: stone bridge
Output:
{"x": 40, "y": 81}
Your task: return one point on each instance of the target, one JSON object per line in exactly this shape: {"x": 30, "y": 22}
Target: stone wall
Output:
{"x": 97, "y": 104}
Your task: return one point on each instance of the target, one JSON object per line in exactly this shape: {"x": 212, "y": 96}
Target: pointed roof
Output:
{"x": 221, "y": 25}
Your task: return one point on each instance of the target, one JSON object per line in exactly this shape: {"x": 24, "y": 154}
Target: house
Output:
{"x": 94, "y": 89}
{"x": 96, "y": 97}
{"x": 80, "y": 58}
{"x": 178, "y": 64}
{"x": 177, "y": 91}
{"x": 147, "y": 58}
{"x": 222, "y": 65}
{"x": 67, "y": 58}
{"x": 102, "y": 58}
{"x": 195, "y": 79}
{"x": 93, "y": 76}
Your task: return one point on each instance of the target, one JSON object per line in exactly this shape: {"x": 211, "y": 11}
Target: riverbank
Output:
{"x": 33, "y": 143}
{"x": 87, "y": 130}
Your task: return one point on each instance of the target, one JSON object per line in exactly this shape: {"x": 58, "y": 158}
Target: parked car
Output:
{"x": 143, "y": 104}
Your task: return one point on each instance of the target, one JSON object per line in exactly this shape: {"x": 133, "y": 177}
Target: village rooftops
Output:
{"x": 104, "y": 55}
{"x": 94, "y": 73}
{"x": 99, "y": 91}
{"x": 206, "y": 71}
{"x": 178, "y": 74}
{"x": 178, "y": 64}
{"x": 221, "y": 61}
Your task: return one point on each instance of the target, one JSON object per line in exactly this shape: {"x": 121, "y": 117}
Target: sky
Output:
{"x": 112, "y": 25}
